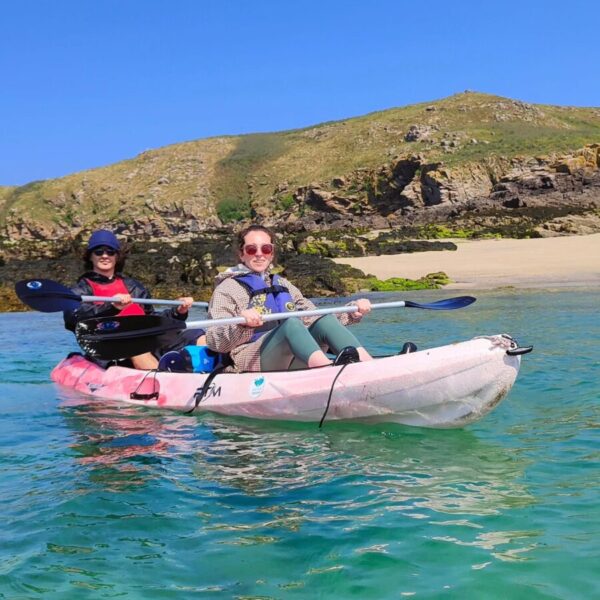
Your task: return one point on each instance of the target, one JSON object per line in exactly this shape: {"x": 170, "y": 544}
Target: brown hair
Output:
{"x": 240, "y": 238}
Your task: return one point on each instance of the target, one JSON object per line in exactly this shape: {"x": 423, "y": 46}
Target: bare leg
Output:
{"x": 145, "y": 362}
{"x": 318, "y": 359}
{"x": 363, "y": 354}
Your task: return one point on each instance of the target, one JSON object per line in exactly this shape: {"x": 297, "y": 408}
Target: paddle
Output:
{"x": 111, "y": 338}
{"x": 46, "y": 295}
{"x": 448, "y": 304}
{"x": 103, "y": 337}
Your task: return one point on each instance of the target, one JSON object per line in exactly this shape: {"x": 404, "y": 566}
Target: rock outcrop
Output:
{"x": 410, "y": 191}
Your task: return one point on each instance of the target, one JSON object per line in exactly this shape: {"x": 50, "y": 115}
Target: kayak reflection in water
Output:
{"x": 120, "y": 447}
{"x": 104, "y": 260}
{"x": 250, "y": 290}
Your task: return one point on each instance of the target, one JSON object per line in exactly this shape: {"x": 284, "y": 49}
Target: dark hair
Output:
{"x": 244, "y": 232}
{"x": 119, "y": 265}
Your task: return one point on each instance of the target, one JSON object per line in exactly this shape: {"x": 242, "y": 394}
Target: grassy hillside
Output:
{"x": 224, "y": 175}
{"x": 5, "y": 191}
{"x": 499, "y": 126}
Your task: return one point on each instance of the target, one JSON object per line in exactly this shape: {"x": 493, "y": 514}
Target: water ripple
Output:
{"x": 103, "y": 500}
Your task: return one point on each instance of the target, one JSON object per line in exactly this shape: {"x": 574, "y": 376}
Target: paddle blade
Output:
{"x": 447, "y": 304}
{"x": 46, "y": 295}
{"x": 111, "y": 338}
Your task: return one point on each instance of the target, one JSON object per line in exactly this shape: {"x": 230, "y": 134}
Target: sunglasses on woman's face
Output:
{"x": 252, "y": 249}
{"x": 102, "y": 251}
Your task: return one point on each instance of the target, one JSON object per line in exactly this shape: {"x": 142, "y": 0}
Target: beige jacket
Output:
{"x": 229, "y": 299}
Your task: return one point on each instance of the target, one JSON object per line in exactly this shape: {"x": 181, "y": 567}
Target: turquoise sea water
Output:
{"x": 100, "y": 500}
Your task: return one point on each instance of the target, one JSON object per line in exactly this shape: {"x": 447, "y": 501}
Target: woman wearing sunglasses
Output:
{"x": 250, "y": 290}
{"x": 104, "y": 261}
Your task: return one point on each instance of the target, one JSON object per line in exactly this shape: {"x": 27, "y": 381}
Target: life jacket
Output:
{"x": 266, "y": 299}
{"x": 117, "y": 286}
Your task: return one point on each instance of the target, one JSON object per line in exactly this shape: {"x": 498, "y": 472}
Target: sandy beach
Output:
{"x": 487, "y": 264}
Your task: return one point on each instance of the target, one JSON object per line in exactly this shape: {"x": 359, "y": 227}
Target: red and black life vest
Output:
{"x": 116, "y": 286}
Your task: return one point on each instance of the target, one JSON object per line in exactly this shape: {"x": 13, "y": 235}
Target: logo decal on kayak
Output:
{"x": 34, "y": 285}
{"x": 108, "y": 326}
{"x": 257, "y": 387}
{"x": 213, "y": 391}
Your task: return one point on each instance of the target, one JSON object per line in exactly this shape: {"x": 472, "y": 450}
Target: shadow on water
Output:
{"x": 241, "y": 488}
{"x": 404, "y": 468}
{"x": 413, "y": 469}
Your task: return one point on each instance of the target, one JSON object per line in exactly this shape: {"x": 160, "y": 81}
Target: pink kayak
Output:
{"x": 447, "y": 386}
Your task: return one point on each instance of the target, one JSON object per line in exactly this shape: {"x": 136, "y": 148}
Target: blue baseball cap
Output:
{"x": 103, "y": 237}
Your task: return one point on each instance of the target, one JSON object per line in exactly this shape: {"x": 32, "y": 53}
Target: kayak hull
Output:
{"x": 443, "y": 387}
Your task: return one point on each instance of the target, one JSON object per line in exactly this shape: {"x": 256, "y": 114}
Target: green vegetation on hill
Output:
{"x": 230, "y": 176}
{"x": 482, "y": 126}
{"x": 5, "y": 192}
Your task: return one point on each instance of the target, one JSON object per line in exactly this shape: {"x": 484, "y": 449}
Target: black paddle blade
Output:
{"x": 447, "y": 304}
{"x": 111, "y": 338}
{"x": 46, "y": 295}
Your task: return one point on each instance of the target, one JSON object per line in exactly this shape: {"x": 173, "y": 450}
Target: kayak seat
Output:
{"x": 408, "y": 348}
{"x": 346, "y": 355}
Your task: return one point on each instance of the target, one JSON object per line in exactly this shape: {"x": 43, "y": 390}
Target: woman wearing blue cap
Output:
{"x": 104, "y": 261}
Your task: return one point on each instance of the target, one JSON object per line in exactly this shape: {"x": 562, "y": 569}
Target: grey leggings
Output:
{"x": 288, "y": 346}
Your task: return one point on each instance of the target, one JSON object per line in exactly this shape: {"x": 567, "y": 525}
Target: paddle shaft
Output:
{"x": 287, "y": 315}
{"x": 140, "y": 301}
{"x": 104, "y": 336}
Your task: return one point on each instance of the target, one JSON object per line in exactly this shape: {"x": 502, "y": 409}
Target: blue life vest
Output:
{"x": 266, "y": 299}
{"x": 190, "y": 359}
{"x": 202, "y": 358}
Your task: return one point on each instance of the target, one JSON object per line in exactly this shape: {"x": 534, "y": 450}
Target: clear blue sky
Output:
{"x": 85, "y": 83}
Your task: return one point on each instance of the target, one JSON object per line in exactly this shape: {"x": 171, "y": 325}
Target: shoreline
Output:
{"x": 565, "y": 261}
